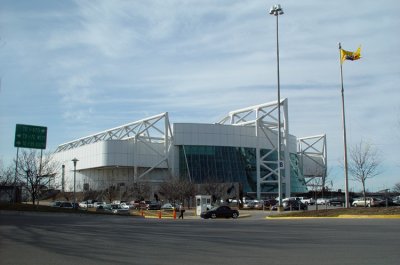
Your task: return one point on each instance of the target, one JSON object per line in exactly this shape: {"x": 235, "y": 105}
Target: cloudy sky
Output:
{"x": 80, "y": 67}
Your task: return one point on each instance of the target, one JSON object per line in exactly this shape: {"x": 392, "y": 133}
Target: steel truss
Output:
{"x": 155, "y": 129}
{"x": 313, "y": 148}
{"x": 264, "y": 119}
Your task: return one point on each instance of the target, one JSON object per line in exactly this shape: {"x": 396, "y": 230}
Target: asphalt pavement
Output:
{"x": 53, "y": 238}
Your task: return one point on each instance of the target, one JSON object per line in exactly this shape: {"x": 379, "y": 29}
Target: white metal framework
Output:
{"x": 155, "y": 129}
{"x": 312, "y": 151}
{"x": 264, "y": 118}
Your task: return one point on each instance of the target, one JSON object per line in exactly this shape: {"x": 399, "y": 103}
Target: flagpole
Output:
{"x": 344, "y": 133}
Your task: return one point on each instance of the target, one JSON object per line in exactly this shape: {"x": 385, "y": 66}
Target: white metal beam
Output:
{"x": 264, "y": 119}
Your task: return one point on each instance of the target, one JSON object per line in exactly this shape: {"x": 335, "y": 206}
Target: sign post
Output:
{"x": 29, "y": 136}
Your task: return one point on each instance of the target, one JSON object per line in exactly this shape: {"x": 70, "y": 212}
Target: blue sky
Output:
{"x": 80, "y": 67}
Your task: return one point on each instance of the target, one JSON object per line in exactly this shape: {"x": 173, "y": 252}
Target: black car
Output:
{"x": 293, "y": 205}
{"x": 154, "y": 206}
{"x": 220, "y": 212}
{"x": 67, "y": 205}
{"x": 339, "y": 201}
{"x": 270, "y": 202}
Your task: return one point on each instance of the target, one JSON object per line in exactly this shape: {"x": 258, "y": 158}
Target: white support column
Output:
{"x": 312, "y": 152}
{"x": 285, "y": 147}
{"x": 258, "y": 160}
{"x": 135, "y": 168}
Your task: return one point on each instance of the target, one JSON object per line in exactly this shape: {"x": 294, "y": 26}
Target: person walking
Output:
{"x": 181, "y": 211}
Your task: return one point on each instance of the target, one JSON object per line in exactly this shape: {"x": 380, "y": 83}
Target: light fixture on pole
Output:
{"x": 75, "y": 161}
{"x": 276, "y": 10}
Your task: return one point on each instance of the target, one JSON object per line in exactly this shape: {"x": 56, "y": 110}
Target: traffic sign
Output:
{"x": 30, "y": 136}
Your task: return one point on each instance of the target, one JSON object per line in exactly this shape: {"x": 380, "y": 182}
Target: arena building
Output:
{"x": 239, "y": 149}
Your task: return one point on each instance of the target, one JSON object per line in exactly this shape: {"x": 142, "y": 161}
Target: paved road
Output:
{"x": 38, "y": 238}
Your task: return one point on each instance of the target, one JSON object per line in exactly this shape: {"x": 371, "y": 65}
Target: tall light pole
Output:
{"x": 62, "y": 178}
{"x": 276, "y": 10}
{"x": 75, "y": 161}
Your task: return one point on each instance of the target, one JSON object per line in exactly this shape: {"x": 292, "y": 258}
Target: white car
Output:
{"x": 322, "y": 201}
{"x": 167, "y": 206}
{"x": 83, "y": 204}
{"x": 123, "y": 205}
{"x": 86, "y": 204}
{"x": 307, "y": 201}
{"x": 97, "y": 204}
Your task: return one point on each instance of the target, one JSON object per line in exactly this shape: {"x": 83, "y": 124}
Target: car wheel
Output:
{"x": 234, "y": 215}
{"x": 213, "y": 216}
{"x": 355, "y": 205}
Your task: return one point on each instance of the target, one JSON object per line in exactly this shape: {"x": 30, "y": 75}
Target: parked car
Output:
{"x": 286, "y": 199}
{"x": 254, "y": 204}
{"x": 388, "y": 202}
{"x": 396, "y": 200}
{"x": 118, "y": 209}
{"x": 322, "y": 201}
{"x": 337, "y": 201}
{"x": 154, "y": 206}
{"x": 134, "y": 204}
{"x": 104, "y": 208}
{"x": 169, "y": 206}
{"x": 295, "y": 205}
{"x": 144, "y": 205}
{"x": 86, "y": 204}
{"x": 56, "y": 204}
{"x": 97, "y": 204}
{"x": 270, "y": 203}
{"x": 307, "y": 201}
{"x": 291, "y": 204}
{"x": 220, "y": 212}
{"x": 368, "y": 202}
{"x": 66, "y": 205}
{"x": 124, "y": 205}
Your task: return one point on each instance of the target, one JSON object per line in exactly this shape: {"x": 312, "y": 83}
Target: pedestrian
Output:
{"x": 181, "y": 211}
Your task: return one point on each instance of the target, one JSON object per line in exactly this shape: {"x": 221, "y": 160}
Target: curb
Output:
{"x": 343, "y": 216}
{"x": 395, "y": 216}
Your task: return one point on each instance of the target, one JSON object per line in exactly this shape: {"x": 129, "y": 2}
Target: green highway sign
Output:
{"x": 30, "y": 136}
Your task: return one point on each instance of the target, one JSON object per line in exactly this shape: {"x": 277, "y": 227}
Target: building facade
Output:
{"x": 239, "y": 149}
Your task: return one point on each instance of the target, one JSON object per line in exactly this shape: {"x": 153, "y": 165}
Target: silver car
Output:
{"x": 369, "y": 202}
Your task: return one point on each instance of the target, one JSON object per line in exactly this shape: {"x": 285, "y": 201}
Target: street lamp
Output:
{"x": 276, "y": 10}
{"x": 62, "y": 178}
{"x": 75, "y": 161}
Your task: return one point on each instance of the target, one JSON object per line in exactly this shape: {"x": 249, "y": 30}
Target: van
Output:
{"x": 369, "y": 202}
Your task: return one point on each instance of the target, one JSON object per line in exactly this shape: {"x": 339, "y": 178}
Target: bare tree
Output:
{"x": 177, "y": 189}
{"x": 169, "y": 189}
{"x": 111, "y": 193}
{"x": 216, "y": 189}
{"x": 187, "y": 190}
{"x": 138, "y": 191}
{"x": 36, "y": 171}
{"x": 7, "y": 177}
{"x": 396, "y": 187}
{"x": 364, "y": 163}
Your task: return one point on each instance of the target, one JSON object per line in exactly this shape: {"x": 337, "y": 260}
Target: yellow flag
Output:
{"x": 346, "y": 55}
